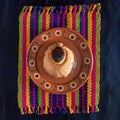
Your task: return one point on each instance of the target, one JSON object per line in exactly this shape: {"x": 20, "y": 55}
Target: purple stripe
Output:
{"x": 51, "y": 26}
{"x": 84, "y": 95}
{"x": 32, "y": 85}
{"x": 64, "y": 24}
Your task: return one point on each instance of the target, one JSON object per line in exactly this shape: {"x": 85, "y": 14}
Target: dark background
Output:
{"x": 110, "y": 60}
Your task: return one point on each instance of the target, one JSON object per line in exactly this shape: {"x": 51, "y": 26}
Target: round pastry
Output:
{"x": 58, "y": 61}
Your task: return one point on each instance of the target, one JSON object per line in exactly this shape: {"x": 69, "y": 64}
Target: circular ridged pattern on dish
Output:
{"x": 87, "y": 60}
{"x": 83, "y": 45}
{"x": 60, "y": 88}
{"x": 44, "y": 37}
{"x": 31, "y": 63}
{"x": 35, "y": 48}
{"x": 58, "y": 33}
{"x": 83, "y": 75}
{"x": 47, "y": 85}
{"x": 72, "y": 36}
{"x": 37, "y": 76}
{"x": 73, "y": 84}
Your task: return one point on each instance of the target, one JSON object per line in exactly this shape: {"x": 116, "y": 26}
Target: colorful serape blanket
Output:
{"x": 85, "y": 19}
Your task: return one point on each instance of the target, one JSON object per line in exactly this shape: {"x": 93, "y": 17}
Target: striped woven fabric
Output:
{"x": 86, "y": 20}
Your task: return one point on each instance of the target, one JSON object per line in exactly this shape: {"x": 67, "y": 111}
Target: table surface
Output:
{"x": 110, "y": 57}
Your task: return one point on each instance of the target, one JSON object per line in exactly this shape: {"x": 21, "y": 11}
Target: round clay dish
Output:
{"x": 81, "y": 69}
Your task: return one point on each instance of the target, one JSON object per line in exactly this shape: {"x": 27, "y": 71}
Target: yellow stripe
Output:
{"x": 90, "y": 44}
{"x": 69, "y": 25}
{"x": 48, "y": 18}
{"x": 69, "y": 17}
{"x": 46, "y": 102}
{"x": 27, "y": 76}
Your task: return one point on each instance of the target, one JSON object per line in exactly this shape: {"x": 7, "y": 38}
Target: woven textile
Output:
{"x": 85, "y": 19}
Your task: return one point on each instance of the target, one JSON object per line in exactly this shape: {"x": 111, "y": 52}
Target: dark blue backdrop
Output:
{"x": 110, "y": 60}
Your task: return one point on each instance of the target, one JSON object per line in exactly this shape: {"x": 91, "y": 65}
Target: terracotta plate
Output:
{"x": 81, "y": 68}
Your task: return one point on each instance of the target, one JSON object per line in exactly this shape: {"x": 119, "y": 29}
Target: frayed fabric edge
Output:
{"x": 57, "y": 110}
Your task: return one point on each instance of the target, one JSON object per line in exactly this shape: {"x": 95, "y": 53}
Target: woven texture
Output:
{"x": 33, "y": 20}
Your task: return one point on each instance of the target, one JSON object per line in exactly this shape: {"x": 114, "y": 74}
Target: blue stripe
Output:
{"x": 54, "y": 25}
{"x": 51, "y": 19}
{"x": 55, "y": 20}
{"x": 60, "y": 25}
{"x": 54, "y": 100}
{"x": 31, "y": 26}
{"x": 86, "y": 17}
{"x": 61, "y": 16}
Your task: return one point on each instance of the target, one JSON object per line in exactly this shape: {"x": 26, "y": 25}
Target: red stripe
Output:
{"x": 74, "y": 28}
{"x": 24, "y": 59}
{"x": 94, "y": 59}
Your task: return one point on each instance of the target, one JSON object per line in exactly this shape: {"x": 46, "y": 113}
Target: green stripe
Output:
{"x": 20, "y": 61}
{"x": 78, "y": 30}
{"x": 78, "y": 22}
{"x": 98, "y": 22}
{"x": 40, "y": 23}
{"x": 40, "y": 30}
